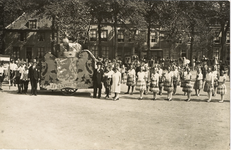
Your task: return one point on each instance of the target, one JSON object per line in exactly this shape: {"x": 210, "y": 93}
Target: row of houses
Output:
{"x": 31, "y": 37}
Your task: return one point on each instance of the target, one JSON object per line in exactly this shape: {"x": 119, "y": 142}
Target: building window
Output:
{"x": 16, "y": 51}
{"x": 217, "y": 38}
{"x": 32, "y": 24}
{"x": 94, "y": 51}
{"x": 22, "y": 36}
{"x": 41, "y": 36}
{"x": 93, "y": 35}
{"x": 228, "y": 38}
{"x": 41, "y": 52}
{"x": 120, "y": 36}
{"x": 131, "y": 37}
{"x": 105, "y": 52}
{"x": 104, "y": 35}
{"x": 153, "y": 38}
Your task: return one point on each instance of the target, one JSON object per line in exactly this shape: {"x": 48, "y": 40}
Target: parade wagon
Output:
{"x": 68, "y": 71}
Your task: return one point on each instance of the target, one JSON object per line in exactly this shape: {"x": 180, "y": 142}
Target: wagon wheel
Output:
{"x": 68, "y": 91}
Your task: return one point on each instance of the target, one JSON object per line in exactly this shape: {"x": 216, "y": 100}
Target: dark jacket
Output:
{"x": 98, "y": 78}
{"x": 33, "y": 73}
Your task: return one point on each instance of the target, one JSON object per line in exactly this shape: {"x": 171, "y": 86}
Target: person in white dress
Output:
{"x": 215, "y": 78}
{"x": 175, "y": 79}
{"x": 147, "y": 78}
{"x": 116, "y": 79}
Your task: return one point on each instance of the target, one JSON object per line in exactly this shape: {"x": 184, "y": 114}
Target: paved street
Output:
{"x": 53, "y": 121}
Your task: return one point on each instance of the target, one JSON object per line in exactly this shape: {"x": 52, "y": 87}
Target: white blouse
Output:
{"x": 200, "y": 76}
{"x": 222, "y": 78}
{"x": 141, "y": 75}
{"x": 169, "y": 76}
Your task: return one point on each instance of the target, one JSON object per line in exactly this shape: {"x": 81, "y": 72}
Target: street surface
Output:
{"x": 51, "y": 120}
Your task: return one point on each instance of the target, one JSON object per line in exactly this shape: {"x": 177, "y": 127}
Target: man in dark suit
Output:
{"x": 97, "y": 80}
{"x": 34, "y": 77}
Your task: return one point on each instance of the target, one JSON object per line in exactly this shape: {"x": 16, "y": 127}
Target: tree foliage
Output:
{"x": 182, "y": 20}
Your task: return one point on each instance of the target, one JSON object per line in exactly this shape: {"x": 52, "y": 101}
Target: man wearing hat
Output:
{"x": 97, "y": 80}
{"x": 34, "y": 77}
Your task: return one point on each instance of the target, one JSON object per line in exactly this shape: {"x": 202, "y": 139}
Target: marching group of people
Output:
{"x": 20, "y": 74}
{"x": 140, "y": 76}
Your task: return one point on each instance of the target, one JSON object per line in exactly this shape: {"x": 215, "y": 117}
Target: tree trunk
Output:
{"x": 191, "y": 44}
{"x": 116, "y": 38}
{"x": 223, "y": 40}
{"x": 99, "y": 36}
{"x": 148, "y": 40}
{"x": 53, "y": 36}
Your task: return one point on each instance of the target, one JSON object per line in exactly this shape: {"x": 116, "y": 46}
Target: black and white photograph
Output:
{"x": 115, "y": 74}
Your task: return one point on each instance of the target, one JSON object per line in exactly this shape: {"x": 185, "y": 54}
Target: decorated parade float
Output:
{"x": 70, "y": 70}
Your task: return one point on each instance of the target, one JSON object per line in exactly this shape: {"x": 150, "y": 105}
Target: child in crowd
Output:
{"x": 188, "y": 86}
{"x": 208, "y": 84}
{"x": 168, "y": 84}
{"x": 141, "y": 83}
{"x": 154, "y": 82}
{"x": 198, "y": 85}
{"x": 131, "y": 79}
{"x": 221, "y": 86}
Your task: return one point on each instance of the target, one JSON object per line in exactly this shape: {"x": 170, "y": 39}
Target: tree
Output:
{"x": 152, "y": 17}
{"x": 71, "y": 17}
{"x": 123, "y": 12}
{"x": 99, "y": 11}
{"x": 221, "y": 11}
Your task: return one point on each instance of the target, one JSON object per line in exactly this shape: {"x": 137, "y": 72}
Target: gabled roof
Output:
{"x": 22, "y": 22}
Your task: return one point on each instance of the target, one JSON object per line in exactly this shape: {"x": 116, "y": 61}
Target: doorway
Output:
{"x": 29, "y": 53}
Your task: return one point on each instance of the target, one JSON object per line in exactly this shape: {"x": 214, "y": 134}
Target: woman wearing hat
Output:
{"x": 141, "y": 83}
{"x": 131, "y": 79}
{"x": 221, "y": 86}
{"x": 154, "y": 82}
{"x": 116, "y": 79}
